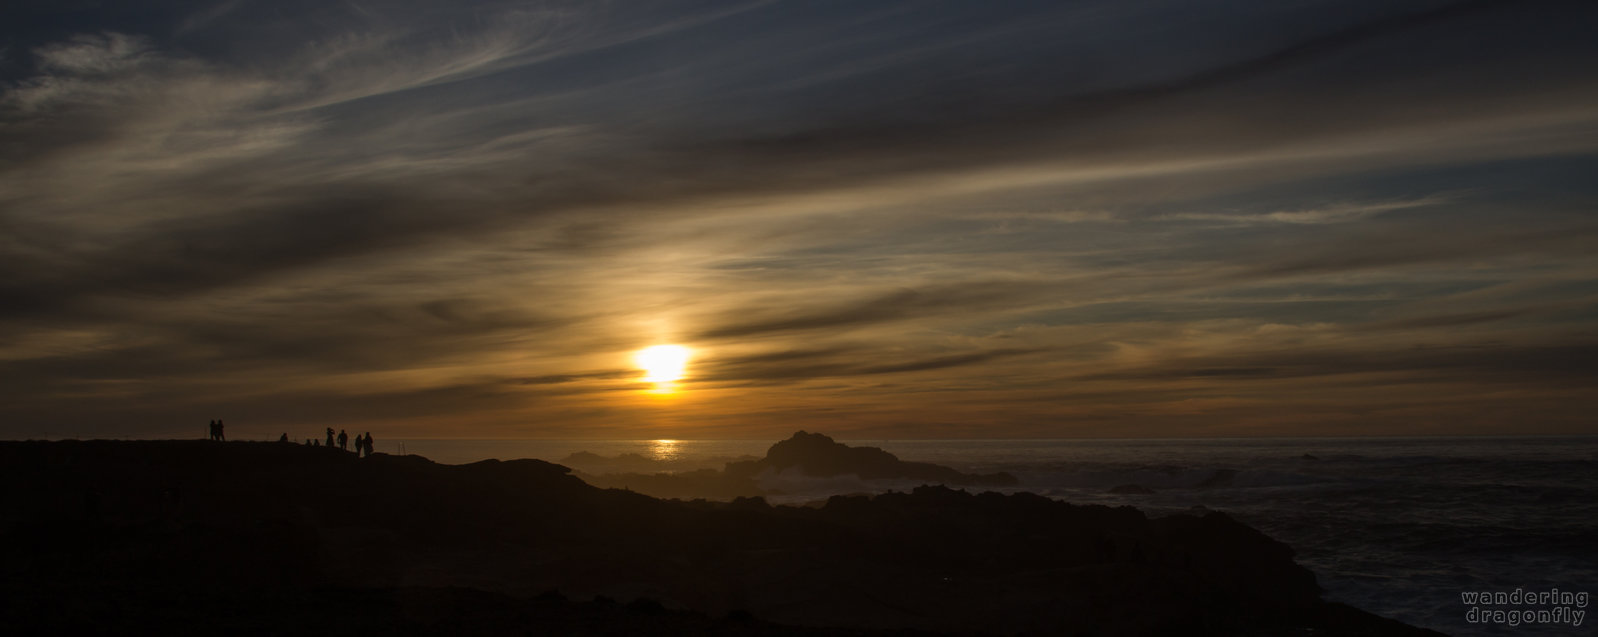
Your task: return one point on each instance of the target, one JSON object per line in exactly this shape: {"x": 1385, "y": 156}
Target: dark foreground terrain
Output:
{"x": 182, "y": 537}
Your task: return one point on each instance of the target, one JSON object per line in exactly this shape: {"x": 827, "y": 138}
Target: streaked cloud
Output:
{"x": 903, "y": 219}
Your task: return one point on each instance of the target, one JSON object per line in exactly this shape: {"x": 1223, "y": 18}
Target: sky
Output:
{"x": 1097, "y": 218}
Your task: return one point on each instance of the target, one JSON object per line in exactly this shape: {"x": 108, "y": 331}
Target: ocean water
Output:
{"x": 1398, "y": 526}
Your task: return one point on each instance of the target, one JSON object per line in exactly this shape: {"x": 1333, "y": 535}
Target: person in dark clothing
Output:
{"x": 212, "y": 426}
{"x": 343, "y": 440}
{"x": 329, "y": 436}
{"x": 220, "y": 435}
{"x": 284, "y": 437}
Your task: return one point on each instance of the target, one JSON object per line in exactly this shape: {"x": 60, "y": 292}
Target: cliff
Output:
{"x": 268, "y": 538}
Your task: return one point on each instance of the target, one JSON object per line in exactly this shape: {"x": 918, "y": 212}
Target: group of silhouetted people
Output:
{"x": 363, "y": 443}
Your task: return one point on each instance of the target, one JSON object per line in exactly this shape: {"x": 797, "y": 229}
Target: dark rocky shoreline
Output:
{"x": 180, "y": 537}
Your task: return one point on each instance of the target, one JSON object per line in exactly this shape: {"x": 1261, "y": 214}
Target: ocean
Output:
{"x": 1402, "y": 527}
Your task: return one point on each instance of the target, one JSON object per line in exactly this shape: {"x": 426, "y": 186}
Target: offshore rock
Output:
{"x": 820, "y": 456}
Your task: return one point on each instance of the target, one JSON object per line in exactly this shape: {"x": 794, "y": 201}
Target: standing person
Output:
{"x": 220, "y": 435}
{"x": 343, "y": 441}
{"x": 284, "y": 437}
{"x": 212, "y": 426}
{"x": 329, "y": 436}
{"x": 369, "y": 449}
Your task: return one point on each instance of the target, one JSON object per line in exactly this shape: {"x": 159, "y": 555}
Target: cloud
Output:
{"x": 94, "y": 54}
{"x": 205, "y": 17}
{"x": 1449, "y": 320}
{"x": 1369, "y": 249}
{"x": 1345, "y": 213}
{"x": 1503, "y": 363}
{"x": 899, "y": 305}
{"x": 812, "y": 364}
{"x": 560, "y": 379}
{"x": 344, "y": 206}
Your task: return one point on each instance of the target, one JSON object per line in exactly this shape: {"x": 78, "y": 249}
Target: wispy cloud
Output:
{"x": 984, "y": 219}
{"x": 1340, "y": 213}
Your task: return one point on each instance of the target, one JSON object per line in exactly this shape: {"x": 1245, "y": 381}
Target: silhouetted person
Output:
{"x": 329, "y": 436}
{"x": 216, "y": 433}
{"x": 343, "y": 441}
{"x": 220, "y": 435}
{"x": 284, "y": 437}
{"x": 369, "y": 449}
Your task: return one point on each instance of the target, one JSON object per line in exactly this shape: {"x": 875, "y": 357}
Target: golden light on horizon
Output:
{"x": 663, "y": 449}
{"x": 663, "y": 364}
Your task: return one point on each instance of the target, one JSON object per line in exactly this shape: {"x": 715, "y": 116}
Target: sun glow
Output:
{"x": 663, "y": 449}
{"x": 663, "y": 363}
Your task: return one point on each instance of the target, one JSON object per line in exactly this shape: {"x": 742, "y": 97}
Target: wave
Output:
{"x": 1165, "y": 477}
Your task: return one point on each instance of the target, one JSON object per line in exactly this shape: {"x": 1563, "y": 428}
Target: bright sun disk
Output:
{"x": 663, "y": 363}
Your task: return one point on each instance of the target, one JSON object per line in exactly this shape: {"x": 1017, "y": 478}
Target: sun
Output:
{"x": 663, "y": 363}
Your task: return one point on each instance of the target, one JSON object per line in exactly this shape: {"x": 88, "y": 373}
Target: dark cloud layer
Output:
{"x": 901, "y": 219}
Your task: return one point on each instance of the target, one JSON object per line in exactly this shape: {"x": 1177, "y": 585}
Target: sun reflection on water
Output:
{"x": 664, "y": 450}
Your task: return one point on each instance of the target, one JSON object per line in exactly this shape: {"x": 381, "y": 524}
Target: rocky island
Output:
{"x": 181, "y": 537}
{"x": 804, "y": 455}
